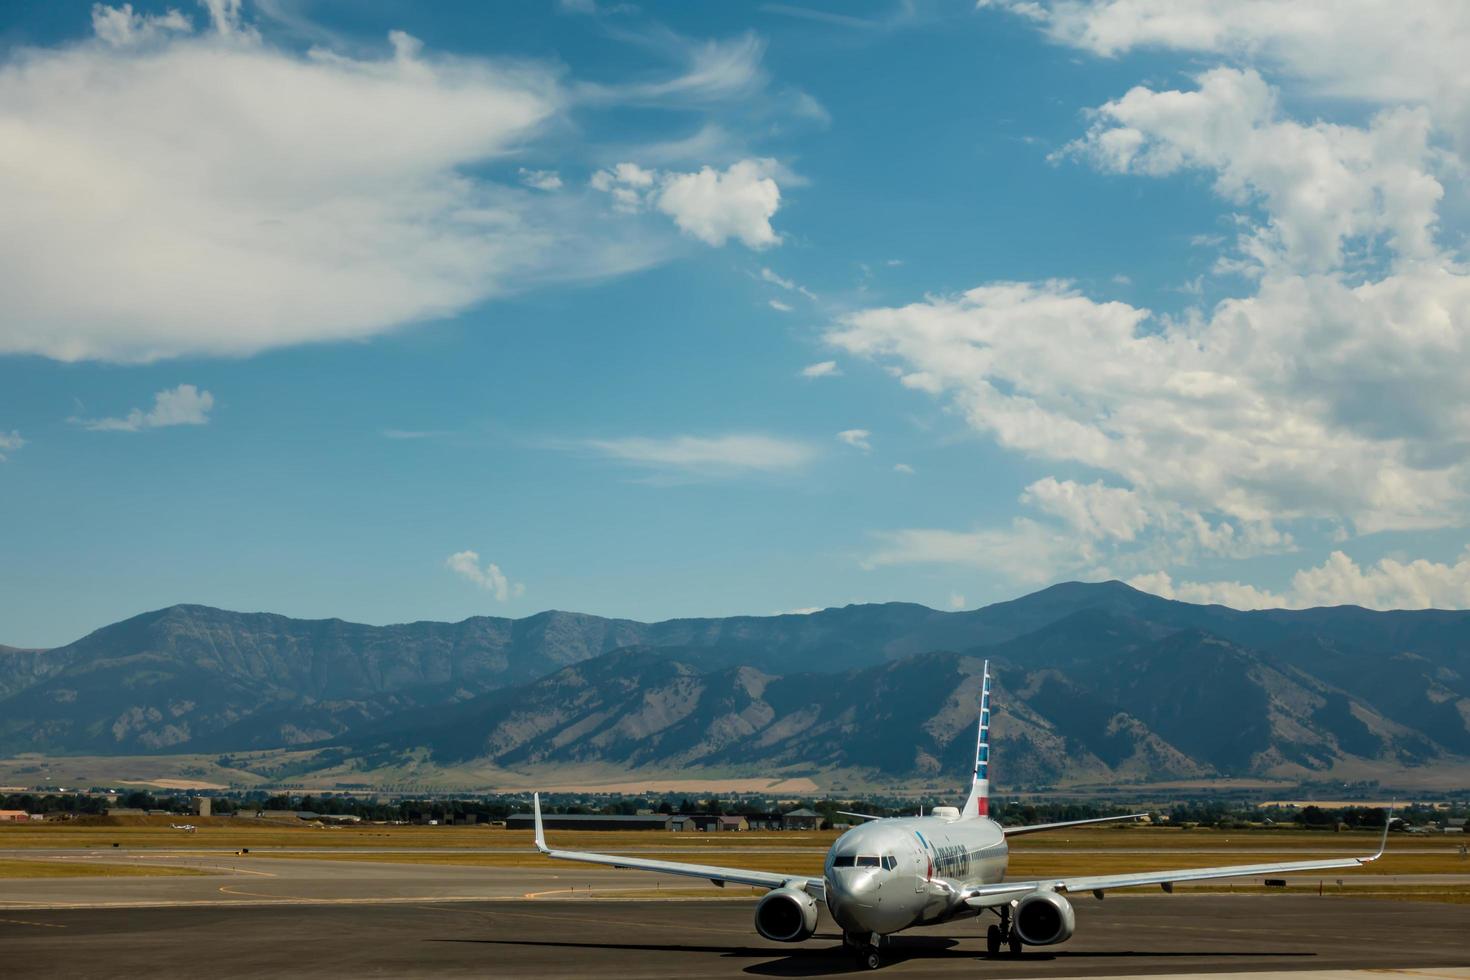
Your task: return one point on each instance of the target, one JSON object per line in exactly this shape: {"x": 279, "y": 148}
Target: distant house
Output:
{"x": 732, "y": 822}
{"x": 14, "y": 816}
{"x": 591, "y": 821}
{"x": 764, "y": 821}
{"x": 801, "y": 819}
{"x": 682, "y": 821}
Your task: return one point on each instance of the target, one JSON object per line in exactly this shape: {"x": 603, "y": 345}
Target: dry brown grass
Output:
{"x": 20, "y": 868}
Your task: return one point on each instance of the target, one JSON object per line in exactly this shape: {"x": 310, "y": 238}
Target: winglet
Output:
{"x": 1383, "y": 841}
{"x": 540, "y": 830}
{"x": 978, "y": 804}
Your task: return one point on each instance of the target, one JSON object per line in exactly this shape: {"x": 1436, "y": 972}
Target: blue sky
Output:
{"x": 397, "y": 311}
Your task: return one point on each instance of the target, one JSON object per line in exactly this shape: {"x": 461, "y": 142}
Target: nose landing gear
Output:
{"x": 865, "y": 948}
{"x": 1003, "y": 934}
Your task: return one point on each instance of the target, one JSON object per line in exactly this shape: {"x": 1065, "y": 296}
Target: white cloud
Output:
{"x": 466, "y": 564}
{"x": 541, "y": 180}
{"x": 779, "y": 306}
{"x": 1092, "y": 509}
{"x": 1327, "y": 391}
{"x": 856, "y": 438}
{"x": 956, "y": 601}
{"x": 157, "y": 176}
{"x": 768, "y": 275}
{"x": 1323, "y": 186}
{"x": 1358, "y": 49}
{"x": 183, "y": 405}
{"x": 903, "y": 468}
{"x": 1025, "y": 550}
{"x": 802, "y": 611}
{"x": 821, "y": 369}
{"x": 122, "y": 26}
{"x": 710, "y": 205}
{"x": 9, "y": 443}
{"x": 713, "y": 71}
{"x": 706, "y": 455}
{"x": 715, "y": 207}
{"x": 1387, "y": 584}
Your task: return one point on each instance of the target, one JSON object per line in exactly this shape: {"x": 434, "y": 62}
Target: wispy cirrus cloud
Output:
{"x": 181, "y": 405}
{"x": 9, "y": 443}
{"x": 707, "y": 456}
{"x": 363, "y": 222}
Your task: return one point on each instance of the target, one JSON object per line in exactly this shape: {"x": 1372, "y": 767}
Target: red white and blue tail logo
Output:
{"x": 978, "y": 805}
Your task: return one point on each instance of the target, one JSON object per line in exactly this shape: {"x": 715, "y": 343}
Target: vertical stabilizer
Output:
{"x": 978, "y": 805}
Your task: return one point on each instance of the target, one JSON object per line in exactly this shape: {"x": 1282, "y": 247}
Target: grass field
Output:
{"x": 20, "y": 868}
{"x": 1084, "y": 851}
{"x": 234, "y": 833}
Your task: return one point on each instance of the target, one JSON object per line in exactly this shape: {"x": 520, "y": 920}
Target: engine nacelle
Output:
{"x": 1044, "y": 918}
{"x": 786, "y": 915}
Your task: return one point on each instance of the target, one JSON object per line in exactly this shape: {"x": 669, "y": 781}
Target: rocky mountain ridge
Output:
{"x": 1093, "y": 679}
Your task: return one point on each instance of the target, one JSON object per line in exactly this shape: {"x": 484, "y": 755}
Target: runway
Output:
{"x": 1180, "y": 934}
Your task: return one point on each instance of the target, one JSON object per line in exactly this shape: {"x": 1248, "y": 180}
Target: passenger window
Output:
{"x": 867, "y": 862}
{"x": 842, "y": 861}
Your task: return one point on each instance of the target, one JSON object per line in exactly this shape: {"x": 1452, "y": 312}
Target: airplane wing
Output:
{"x": 1037, "y": 828}
{"x": 719, "y": 876}
{"x": 980, "y": 896}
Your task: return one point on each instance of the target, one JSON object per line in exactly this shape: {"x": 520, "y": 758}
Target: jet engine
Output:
{"x": 1043, "y": 918}
{"x": 786, "y": 915}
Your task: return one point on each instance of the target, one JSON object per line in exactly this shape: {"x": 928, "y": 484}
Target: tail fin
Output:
{"x": 978, "y": 804}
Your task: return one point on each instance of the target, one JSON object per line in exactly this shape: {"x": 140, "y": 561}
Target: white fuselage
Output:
{"x": 892, "y": 874}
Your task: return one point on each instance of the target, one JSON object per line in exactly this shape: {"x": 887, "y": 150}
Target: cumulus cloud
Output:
{"x": 1091, "y": 509}
{"x": 1357, "y": 49}
{"x": 903, "y": 468}
{"x": 856, "y": 438}
{"x": 711, "y": 205}
{"x": 1326, "y": 392}
{"x": 183, "y": 405}
{"x": 9, "y": 443}
{"x": 1323, "y": 186}
{"x": 1386, "y": 584}
{"x": 821, "y": 369}
{"x": 466, "y": 564}
{"x": 1320, "y": 395}
{"x": 706, "y": 455}
{"x": 956, "y": 601}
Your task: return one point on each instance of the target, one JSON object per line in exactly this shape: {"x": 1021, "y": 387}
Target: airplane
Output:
{"x": 894, "y": 873}
{"x": 187, "y": 828}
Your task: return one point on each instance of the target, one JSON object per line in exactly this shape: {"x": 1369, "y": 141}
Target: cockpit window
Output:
{"x": 890, "y": 862}
{"x": 867, "y": 861}
{"x": 842, "y": 861}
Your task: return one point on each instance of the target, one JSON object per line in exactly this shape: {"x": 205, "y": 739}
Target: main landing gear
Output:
{"x": 866, "y": 948}
{"x": 1002, "y": 935}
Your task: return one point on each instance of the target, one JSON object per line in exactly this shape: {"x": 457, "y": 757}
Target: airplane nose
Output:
{"x": 852, "y": 899}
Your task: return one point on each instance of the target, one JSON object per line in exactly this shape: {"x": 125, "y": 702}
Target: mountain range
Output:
{"x": 1094, "y": 683}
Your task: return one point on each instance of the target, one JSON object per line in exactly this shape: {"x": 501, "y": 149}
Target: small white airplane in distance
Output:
{"x": 187, "y": 828}
{"x": 898, "y": 872}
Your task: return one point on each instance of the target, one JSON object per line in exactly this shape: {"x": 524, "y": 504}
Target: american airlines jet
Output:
{"x": 895, "y": 873}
